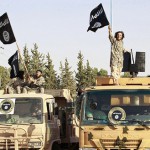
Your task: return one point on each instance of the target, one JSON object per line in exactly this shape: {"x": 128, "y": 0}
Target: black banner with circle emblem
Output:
{"x": 116, "y": 114}
{"x": 7, "y": 106}
{"x": 6, "y": 32}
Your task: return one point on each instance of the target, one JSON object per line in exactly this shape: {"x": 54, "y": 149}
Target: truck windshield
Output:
{"x": 26, "y": 111}
{"x": 124, "y": 107}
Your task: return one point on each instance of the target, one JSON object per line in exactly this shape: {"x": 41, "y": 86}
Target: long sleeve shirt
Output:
{"x": 116, "y": 51}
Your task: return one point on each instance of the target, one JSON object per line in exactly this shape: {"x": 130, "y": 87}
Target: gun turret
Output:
{"x": 129, "y": 65}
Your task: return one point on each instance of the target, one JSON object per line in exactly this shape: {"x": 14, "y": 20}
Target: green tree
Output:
{"x": 66, "y": 77}
{"x": 4, "y": 77}
{"x": 94, "y": 75}
{"x": 80, "y": 74}
{"x": 37, "y": 60}
{"x": 58, "y": 86}
{"x": 27, "y": 59}
{"x": 126, "y": 75}
{"x": 61, "y": 75}
{"x": 95, "y": 71}
{"x": 50, "y": 74}
{"x": 89, "y": 74}
{"x": 102, "y": 72}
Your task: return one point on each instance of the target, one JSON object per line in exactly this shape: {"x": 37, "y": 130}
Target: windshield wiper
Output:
{"x": 140, "y": 122}
{"x": 144, "y": 123}
{"x": 99, "y": 119}
{"x": 6, "y": 124}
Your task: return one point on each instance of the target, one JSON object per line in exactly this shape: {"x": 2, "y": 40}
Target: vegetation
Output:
{"x": 4, "y": 77}
{"x": 80, "y": 74}
{"x": 67, "y": 78}
{"x": 50, "y": 74}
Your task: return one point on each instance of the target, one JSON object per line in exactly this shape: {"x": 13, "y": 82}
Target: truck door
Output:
{"x": 53, "y": 133}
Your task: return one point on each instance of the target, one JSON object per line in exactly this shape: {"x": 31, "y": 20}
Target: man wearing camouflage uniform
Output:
{"x": 117, "y": 49}
{"x": 35, "y": 82}
{"x": 15, "y": 85}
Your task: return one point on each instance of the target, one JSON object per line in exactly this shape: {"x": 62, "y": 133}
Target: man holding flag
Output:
{"x": 117, "y": 51}
{"x": 7, "y": 37}
{"x": 98, "y": 19}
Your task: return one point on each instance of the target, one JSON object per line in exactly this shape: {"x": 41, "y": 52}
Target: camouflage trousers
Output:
{"x": 116, "y": 71}
{"x": 26, "y": 89}
{"x": 11, "y": 90}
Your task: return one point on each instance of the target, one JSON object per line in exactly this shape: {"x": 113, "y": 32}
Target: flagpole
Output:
{"x": 111, "y": 14}
{"x": 22, "y": 58}
{"x": 111, "y": 23}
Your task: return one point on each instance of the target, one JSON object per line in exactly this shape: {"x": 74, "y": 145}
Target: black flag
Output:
{"x": 6, "y": 32}
{"x": 13, "y": 62}
{"x": 98, "y": 18}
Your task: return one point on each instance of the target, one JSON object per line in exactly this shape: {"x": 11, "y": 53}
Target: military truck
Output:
{"x": 115, "y": 117}
{"x": 69, "y": 130}
{"x": 27, "y": 121}
{"x": 38, "y": 121}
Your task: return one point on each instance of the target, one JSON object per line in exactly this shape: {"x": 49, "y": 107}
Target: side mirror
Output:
{"x": 55, "y": 108}
{"x": 69, "y": 121}
{"x": 58, "y": 122}
{"x": 70, "y": 107}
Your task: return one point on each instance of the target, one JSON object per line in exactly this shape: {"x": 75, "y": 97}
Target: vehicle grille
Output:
{"x": 114, "y": 145}
{"x": 10, "y": 144}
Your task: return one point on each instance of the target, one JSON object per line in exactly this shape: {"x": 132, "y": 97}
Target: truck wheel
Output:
{"x": 74, "y": 147}
{"x": 56, "y": 146}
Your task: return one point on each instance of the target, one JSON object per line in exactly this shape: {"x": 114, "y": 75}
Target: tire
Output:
{"x": 56, "y": 146}
{"x": 74, "y": 147}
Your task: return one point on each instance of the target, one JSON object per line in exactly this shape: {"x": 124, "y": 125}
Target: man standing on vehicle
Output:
{"x": 117, "y": 50}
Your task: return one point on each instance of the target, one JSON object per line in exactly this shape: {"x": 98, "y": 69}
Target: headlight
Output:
{"x": 87, "y": 148}
{"x": 34, "y": 144}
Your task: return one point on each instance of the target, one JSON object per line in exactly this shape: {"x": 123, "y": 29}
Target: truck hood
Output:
{"x": 133, "y": 137}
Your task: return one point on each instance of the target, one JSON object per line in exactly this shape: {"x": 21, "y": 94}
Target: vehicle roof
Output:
{"x": 106, "y": 83}
{"x": 59, "y": 93}
{"x": 119, "y": 87}
{"x": 37, "y": 95}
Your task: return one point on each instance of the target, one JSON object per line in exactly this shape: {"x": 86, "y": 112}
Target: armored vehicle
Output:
{"x": 115, "y": 117}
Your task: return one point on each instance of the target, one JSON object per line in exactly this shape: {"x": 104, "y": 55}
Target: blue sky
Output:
{"x": 60, "y": 28}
